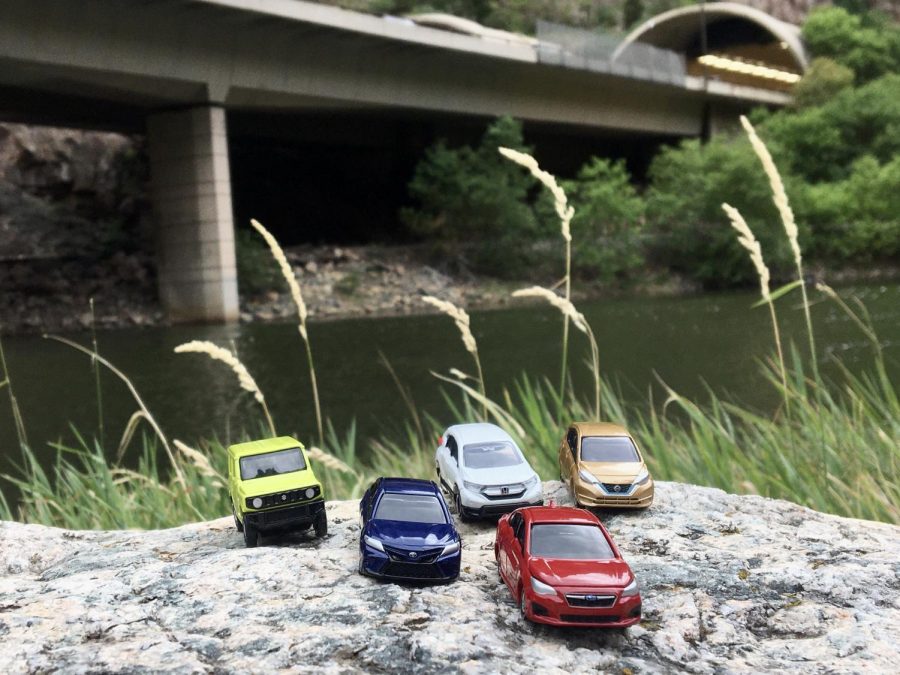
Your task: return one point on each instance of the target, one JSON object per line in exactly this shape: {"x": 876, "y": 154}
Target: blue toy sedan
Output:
{"x": 407, "y": 532}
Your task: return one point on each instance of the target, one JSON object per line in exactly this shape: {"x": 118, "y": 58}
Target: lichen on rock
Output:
{"x": 730, "y": 583}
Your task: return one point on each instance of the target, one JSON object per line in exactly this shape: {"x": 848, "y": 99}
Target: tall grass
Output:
{"x": 838, "y": 450}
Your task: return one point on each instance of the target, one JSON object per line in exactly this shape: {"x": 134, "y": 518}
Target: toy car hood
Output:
{"x": 613, "y": 472}
{"x": 500, "y": 476}
{"x": 411, "y": 535}
{"x": 591, "y": 573}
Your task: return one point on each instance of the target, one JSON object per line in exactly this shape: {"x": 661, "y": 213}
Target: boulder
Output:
{"x": 730, "y": 584}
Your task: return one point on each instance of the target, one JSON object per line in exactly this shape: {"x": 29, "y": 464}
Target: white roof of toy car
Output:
{"x": 478, "y": 432}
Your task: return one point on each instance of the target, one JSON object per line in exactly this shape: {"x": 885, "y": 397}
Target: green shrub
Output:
{"x": 821, "y": 82}
{"x": 868, "y": 44}
{"x": 690, "y": 233}
{"x": 608, "y": 222}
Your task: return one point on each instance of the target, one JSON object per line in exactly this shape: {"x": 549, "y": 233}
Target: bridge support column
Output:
{"x": 191, "y": 190}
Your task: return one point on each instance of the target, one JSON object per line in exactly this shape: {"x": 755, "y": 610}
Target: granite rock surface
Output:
{"x": 730, "y": 584}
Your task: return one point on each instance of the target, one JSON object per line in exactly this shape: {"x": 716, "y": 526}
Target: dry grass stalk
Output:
{"x": 199, "y": 460}
{"x": 863, "y": 326}
{"x": 328, "y": 460}
{"x": 560, "y": 201}
{"x": 302, "y": 314}
{"x": 461, "y": 319}
{"x": 577, "y": 318}
{"x": 751, "y": 244}
{"x": 779, "y": 197}
{"x": 223, "y": 355}
{"x": 13, "y": 402}
{"x": 145, "y": 412}
{"x": 565, "y": 213}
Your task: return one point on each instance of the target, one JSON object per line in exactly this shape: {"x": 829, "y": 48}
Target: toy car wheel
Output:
{"x": 238, "y": 525}
{"x": 321, "y": 525}
{"x": 522, "y": 603}
{"x": 459, "y": 509}
{"x": 251, "y": 535}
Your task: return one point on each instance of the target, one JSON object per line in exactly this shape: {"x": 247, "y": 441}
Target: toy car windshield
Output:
{"x": 569, "y": 542}
{"x": 410, "y": 508}
{"x": 490, "y": 455}
{"x": 608, "y": 449}
{"x": 272, "y": 464}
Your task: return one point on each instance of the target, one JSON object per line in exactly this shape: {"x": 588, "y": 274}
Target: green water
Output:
{"x": 692, "y": 342}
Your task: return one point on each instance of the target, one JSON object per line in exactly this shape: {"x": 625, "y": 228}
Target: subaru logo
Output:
{"x": 413, "y": 554}
{"x": 617, "y": 488}
{"x": 590, "y": 598}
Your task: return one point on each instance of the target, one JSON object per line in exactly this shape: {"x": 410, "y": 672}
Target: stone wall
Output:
{"x": 729, "y": 583}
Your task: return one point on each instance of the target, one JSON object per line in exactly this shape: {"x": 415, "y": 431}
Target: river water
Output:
{"x": 690, "y": 342}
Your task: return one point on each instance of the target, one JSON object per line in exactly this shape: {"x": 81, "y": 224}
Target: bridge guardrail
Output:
{"x": 599, "y": 52}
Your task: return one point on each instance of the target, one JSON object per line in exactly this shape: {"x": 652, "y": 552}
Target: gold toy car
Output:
{"x": 603, "y": 467}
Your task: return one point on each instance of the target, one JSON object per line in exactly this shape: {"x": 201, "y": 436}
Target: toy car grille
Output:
{"x": 279, "y": 498}
{"x": 279, "y": 515}
{"x": 587, "y": 618}
{"x": 591, "y": 600}
{"x": 413, "y": 557}
{"x": 504, "y": 491}
{"x": 617, "y": 488}
{"x": 411, "y": 570}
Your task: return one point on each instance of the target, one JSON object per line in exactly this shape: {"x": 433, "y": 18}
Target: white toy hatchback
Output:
{"x": 484, "y": 472}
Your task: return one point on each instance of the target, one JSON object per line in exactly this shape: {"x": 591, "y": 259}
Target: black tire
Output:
{"x": 251, "y": 535}
{"x": 321, "y": 525}
{"x": 463, "y": 518}
{"x": 522, "y": 606}
{"x": 360, "y": 567}
{"x": 239, "y": 526}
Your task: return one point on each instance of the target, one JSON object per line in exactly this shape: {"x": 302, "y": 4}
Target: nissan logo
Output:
{"x": 413, "y": 554}
{"x": 617, "y": 488}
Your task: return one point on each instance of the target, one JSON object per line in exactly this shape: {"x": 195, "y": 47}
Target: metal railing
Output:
{"x": 590, "y": 50}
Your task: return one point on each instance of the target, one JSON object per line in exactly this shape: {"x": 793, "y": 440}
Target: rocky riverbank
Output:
{"x": 730, "y": 584}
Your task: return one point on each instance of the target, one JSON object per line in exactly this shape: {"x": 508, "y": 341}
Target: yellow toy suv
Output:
{"x": 273, "y": 488}
{"x": 603, "y": 467}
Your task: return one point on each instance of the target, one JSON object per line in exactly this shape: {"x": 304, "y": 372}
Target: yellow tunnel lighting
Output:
{"x": 735, "y": 66}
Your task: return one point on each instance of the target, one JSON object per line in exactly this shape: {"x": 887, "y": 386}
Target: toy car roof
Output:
{"x": 559, "y": 514}
{"x": 408, "y": 486}
{"x": 601, "y": 429}
{"x": 264, "y": 445}
{"x": 478, "y": 432}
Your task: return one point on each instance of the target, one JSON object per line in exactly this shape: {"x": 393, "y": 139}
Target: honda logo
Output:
{"x": 504, "y": 490}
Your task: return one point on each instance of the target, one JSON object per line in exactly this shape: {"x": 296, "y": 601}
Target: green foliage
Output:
{"x": 607, "y": 226}
{"x": 868, "y": 44}
{"x": 256, "y": 273}
{"x": 824, "y": 79}
{"x": 474, "y": 202}
{"x": 684, "y": 211}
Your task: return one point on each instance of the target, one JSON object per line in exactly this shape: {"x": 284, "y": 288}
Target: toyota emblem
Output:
{"x": 413, "y": 554}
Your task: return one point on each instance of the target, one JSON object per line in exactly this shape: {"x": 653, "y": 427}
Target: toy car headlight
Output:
{"x": 310, "y": 493}
{"x": 256, "y": 502}
{"x": 642, "y": 477}
{"x": 631, "y": 589}
{"x": 450, "y": 548}
{"x": 474, "y": 487}
{"x": 541, "y": 588}
{"x": 588, "y": 478}
{"x": 374, "y": 543}
{"x": 531, "y": 482}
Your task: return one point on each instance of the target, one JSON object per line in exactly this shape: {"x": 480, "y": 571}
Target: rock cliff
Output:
{"x": 730, "y": 584}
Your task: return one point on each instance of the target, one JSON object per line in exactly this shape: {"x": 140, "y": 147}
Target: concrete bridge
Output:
{"x": 172, "y": 68}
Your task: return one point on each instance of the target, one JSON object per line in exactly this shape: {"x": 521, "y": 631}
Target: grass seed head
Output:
{"x": 221, "y": 354}
{"x": 560, "y": 201}
{"x": 749, "y": 242}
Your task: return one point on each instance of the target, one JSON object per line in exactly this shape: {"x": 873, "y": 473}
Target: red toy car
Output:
{"x": 564, "y": 569}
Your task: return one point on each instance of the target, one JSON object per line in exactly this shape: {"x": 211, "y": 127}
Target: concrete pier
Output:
{"x": 191, "y": 186}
